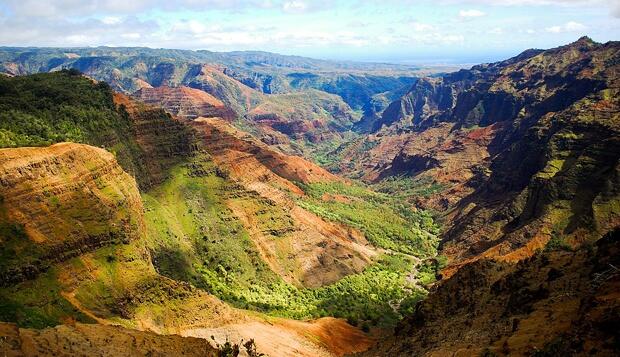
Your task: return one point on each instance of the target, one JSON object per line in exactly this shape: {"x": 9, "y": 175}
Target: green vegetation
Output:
{"x": 369, "y": 297}
{"x": 16, "y": 249}
{"x": 195, "y": 237}
{"x": 428, "y": 269}
{"x": 557, "y": 243}
{"x": 37, "y": 303}
{"x": 327, "y": 153}
{"x": 385, "y": 220}
{"x": 407, "y": 187}
{"x": 43, "y": 109}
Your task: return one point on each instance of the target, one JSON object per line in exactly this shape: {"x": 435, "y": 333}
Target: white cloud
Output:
{"x": 231, "y": 25}
{"x": 570, "y": 26}
{"x": 111, "y": 20}
{"x": 295, "y": 6}
{"x": 612, "y": 5}
{"x": 471, "y": 13}
{"x": 131, "y": 35}
{"x": 420, "y": 27}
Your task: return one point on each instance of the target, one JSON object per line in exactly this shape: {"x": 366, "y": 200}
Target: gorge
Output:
{"x": 223, "y": 204}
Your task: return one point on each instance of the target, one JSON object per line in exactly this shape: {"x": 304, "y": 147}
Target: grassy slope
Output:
{"x": 386, "y": 221}
{"x": 195, "y": 238}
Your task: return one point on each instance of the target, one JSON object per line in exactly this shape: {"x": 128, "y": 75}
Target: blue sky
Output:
{"x": 464, "y": 31}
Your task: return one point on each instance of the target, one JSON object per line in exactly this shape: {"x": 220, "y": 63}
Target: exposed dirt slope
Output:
{"x": 281, "y": 337}
{"x": 97, "y": 340}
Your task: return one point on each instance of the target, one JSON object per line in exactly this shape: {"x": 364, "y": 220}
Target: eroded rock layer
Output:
{"x": 61, "y": 201}
{"x": 184, "y": 102}
{"x": 97, "y": 340}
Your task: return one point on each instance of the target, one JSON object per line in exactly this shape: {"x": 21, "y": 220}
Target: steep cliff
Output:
{"x": 525, "y": 155}
{"x": 59, "y": 202}
{"x": 558, "y": 302}
{"x": 515, "y": 153}
{"x": 162, "y": 141}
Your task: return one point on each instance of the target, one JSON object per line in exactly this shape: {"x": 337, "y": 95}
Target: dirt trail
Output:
{"x": 70, "y": 296}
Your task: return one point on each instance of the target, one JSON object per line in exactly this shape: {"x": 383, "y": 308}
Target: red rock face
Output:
{"x": 185, "y": 102}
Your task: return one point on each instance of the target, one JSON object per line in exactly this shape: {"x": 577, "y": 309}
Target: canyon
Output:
{"x": 196, "y": 200}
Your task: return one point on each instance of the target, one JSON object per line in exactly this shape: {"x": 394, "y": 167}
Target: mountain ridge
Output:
{"x": 474, "y": 126}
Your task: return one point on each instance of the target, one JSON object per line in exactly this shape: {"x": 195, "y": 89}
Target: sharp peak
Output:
{"x": 585, "y": 39}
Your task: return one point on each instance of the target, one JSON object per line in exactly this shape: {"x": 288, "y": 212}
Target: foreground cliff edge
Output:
{"x": 87, "y": 252}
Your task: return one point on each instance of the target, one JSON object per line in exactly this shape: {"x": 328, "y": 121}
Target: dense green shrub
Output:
{"x": 194, "y": 238}
{"x": 47, "y": 108}
{"x": 386, "y": 221}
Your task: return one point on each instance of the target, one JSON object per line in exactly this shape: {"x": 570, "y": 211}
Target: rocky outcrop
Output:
{"x": 184, "y": 102}
{"x": 59, "y": 202}
{"x": 97, "y": 340}
{"x": 559, "y": 302}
